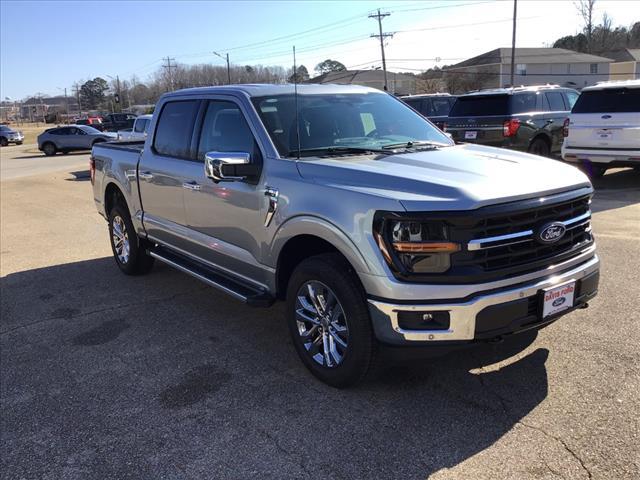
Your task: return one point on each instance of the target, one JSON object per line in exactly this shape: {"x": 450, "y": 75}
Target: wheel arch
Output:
{"x": 303, "y": 237}
{"x": 546, "y": 137}
{"x": 113, "y": 195}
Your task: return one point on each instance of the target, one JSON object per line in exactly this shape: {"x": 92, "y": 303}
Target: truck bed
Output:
{"x": 133, "y": 146}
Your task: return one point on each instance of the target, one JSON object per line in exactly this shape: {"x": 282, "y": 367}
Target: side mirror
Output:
{"x": 229, "y": 166}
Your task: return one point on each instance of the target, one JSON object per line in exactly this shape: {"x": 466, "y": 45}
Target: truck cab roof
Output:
{"x": 260, "y": 90}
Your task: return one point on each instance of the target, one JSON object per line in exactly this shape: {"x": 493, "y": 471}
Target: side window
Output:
{"x": 415, "y": 104}
{"x": 440, "y": 106}
{"x": 556, "y": 102}
{"x": 225, "y": 129}
{"x": 175, "y": 127}
{"x": 523, "y": 102}
{"x": 571, "y": 98}
{"x": 63, "y": 131}
{"x": 140, "y": 125}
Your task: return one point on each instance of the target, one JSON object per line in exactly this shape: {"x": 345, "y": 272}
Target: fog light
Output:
{"x": 421, "y": 320}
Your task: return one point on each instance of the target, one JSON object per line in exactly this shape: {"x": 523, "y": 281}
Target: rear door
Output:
{"x": 607, "y": 119}
{"x": 558, "y": 110}
{"x": 225, "y": 218}
{"x": 161, "y": 172}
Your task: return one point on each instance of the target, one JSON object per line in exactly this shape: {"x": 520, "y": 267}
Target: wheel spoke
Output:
{"x": 313, "y": 296}
{"x": 306, "y": 305}
{"x": 335, "y": 337}
{"x": 326, "y": 350}
{"x": 334, "y": 351}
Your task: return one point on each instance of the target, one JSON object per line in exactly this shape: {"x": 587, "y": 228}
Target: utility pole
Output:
{"x": 228, "y": 68}
{"x": 76, "y": 89}
{"x": 119, "y": 93}
{"x": 66, "y": 104}
{"x": 382, "y": 36}
{"x": 168, "y": 66}
{"x": 513, "y": 42}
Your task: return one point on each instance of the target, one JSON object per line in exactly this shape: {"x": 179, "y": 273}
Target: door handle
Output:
{"x": 550, "y": 121}
{"x": 191, "y": 186}
{"x": 272, "y": 194}
{"x": 145, "y": 175}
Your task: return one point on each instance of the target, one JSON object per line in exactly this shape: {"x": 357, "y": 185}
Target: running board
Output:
{"x": 241, "y": 291}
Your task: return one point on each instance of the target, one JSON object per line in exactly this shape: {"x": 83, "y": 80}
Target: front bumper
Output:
{"x": 488, "y": 314}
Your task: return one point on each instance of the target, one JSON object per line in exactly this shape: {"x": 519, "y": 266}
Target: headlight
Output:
{"x": 414, "y": 246}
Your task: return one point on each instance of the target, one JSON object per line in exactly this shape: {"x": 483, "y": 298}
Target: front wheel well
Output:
{"x": 296, "y": 250}
{"x": 113, "y": 196}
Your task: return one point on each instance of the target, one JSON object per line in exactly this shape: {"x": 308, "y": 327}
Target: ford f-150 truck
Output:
{"x": 378, "y": 232}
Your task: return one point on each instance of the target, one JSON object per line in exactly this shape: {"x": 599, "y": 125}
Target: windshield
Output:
{"x": 337, "y": 122}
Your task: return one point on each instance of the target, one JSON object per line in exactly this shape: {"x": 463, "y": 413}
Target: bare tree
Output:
{"x": 585, "y": 9}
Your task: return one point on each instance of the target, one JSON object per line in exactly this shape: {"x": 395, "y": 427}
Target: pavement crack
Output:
{"x": 561, "y": 442}
{"x": 274, "y": 440}
{"x": 100, "y": 310}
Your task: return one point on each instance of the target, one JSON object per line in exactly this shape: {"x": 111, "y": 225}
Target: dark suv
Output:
{"x": 434, "y": 106}
{"x": 529, "y": 119}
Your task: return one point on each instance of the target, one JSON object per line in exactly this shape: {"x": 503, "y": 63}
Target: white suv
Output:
{"x": 603, "y": 130}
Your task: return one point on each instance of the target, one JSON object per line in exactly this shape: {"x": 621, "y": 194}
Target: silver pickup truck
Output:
{"x": 379, "y": 233}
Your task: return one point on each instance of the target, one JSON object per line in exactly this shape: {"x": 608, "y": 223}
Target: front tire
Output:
{"x": 329, "y": 320}
{"x": 128, "y": 249}
{"x": 3, "y": 142}
{"x": 49, "y": 149}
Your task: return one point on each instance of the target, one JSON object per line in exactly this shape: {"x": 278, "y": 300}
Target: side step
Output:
{"x": 215, "y": 278}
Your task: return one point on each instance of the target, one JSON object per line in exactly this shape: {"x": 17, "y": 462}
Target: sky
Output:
{"x": 47, "y": 46}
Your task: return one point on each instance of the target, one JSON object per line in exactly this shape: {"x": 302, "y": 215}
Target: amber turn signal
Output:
{"x": 426, "y": 247}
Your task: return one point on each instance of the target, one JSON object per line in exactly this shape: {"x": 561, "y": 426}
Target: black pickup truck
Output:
{"x": 113, "y": 122}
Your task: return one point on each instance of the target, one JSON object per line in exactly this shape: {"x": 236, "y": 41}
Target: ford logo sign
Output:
{"x": 559, "y": 301}
{"x": 551, "y": 232}
{"x": 606, "y": 116}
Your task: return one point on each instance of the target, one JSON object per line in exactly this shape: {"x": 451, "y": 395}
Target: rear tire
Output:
{"x": 128, "y": 249}
{"x": 49, "y": 149}
{"x": 539, "y": 147}
{"x": 329, "y": 320}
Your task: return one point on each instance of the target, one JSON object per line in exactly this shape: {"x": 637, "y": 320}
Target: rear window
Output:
{"x": 609, "y": 100}
{"x": 480, "y": 105}
{"x": 175, "y": 127}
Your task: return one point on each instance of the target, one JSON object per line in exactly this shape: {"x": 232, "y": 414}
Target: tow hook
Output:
{"x": 584, "y": 305}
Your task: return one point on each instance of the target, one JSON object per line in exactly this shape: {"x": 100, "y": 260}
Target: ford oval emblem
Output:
{"x": 606, "y": 116}
{"x": 551, "y": 232}
{"x": 559, "y": 301}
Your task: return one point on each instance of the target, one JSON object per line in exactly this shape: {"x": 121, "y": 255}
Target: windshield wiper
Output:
{"x": 340, "y": 150}
{"x": 393, "y": 146}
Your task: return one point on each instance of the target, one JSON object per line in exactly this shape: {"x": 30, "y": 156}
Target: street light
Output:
{"x": 228, "y": 69}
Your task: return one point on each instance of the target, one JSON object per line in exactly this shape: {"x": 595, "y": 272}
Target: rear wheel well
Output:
{"x": 295, "y": 251}
{"x": 542, "y": 137}
{"x": 113, "y": 196}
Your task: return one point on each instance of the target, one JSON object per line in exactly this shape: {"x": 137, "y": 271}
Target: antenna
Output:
{"x": 295, "y": 96}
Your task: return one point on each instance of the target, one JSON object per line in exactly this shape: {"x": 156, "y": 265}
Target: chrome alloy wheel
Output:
{"x": 120, "y": 239}
{"x": 322, "y": 324}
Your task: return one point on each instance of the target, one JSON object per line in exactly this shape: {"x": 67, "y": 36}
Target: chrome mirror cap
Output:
{"x": 214, "y": 161}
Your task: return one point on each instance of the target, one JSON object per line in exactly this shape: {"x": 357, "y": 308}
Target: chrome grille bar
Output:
{"x": 524, "y": 236}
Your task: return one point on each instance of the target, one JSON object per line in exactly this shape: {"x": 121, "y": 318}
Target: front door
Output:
{"x": 162, "y": 170}
{"x": 226, "y": 218}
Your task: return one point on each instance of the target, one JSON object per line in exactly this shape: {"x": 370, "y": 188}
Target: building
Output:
{"x": 626, "y": 64}
{"x": 533, "y": 66}
{"x": 37, "y": 108}
{"x": 398, "y": 83}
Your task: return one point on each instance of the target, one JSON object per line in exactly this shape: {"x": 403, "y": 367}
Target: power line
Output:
{"x": 382, "y": 36}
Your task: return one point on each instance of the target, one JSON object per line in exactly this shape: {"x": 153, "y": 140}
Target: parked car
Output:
{"x": 434, "y": 106}
{"x": 139, "y": 130}
{"x": 113, "y": 122}
{"x": 95, "y": 122}
{"x": 603, "y": 130}
{"x": 70, "y": 138}
{"x": 529, "y": 119}
{"x": 380, "y": 233}
{"x": 9, "y": 135}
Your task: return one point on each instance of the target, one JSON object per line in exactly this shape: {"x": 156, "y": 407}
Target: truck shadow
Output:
{"x": 618, "y": 188}
{"x": 131, "y": 362}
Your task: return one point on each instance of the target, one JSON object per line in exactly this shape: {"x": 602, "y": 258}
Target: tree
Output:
{"x": 92, "y": 93}
{"x": 585, "y": 9}
{"x": 329, "y": 66}
{"x": 301, "y": 75}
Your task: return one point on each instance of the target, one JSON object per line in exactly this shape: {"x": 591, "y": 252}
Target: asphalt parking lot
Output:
{"x": 160, "y": 377}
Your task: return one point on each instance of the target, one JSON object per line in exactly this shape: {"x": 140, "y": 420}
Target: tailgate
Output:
{"x": 604, "y": 130}
{"x": 484, "y": 130}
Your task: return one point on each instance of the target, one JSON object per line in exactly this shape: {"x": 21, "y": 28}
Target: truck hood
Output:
{"x": 462, "y": 177}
